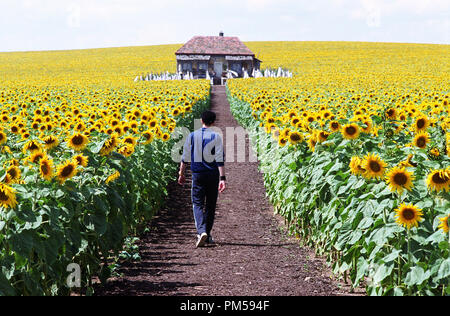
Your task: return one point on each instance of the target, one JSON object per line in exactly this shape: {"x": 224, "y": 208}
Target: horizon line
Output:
{"x": 252, "y": 41}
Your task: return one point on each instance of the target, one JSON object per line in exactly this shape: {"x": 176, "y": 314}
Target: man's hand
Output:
{"x": 181, "y": 179}
{"x": 222, "y": 186}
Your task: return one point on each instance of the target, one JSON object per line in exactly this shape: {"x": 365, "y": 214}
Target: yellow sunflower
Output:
{"x": 81, "y": 160}
{"x": 295, "y": 138}
{"x": 14, "y": 173}
{"x": 148, "y": 136}
{"x": 421, "y": 140}
{"x": 66, "y": 171}
{"x": 31, "y": 146}
{"x": 109, "y": 145}
{"x": 153, "y": 123}
{"x": 36, "y": 156}
{"x": 50, "y": 142}
{"x": 400, "y": 179}
{"x": 408, "y": 216}
{"x": 129, "y": 140}
{"x": 322, "y": 136}
{"x": 439, "y": 180}
{"x": 126, "y": 150}
{"x": 356, "y": 166}
{"x": 374, "y": 166}
{"x": 391, "y": 113}
{"x": 7, "y": 196}
{"x": 444, "y": 223}
{"x": 350, "y": 131}
{"x": 434, "y": 152}
{"x": 113, "y": 177}
{"x": 3, "y": 138}
{"x": 421, "y": 123}
{"x": 46, "y": 168}
{"x": 282, "y": 141}
{"x": 408, "y": 162}
{"x": 334, "y": 126}
{"x": 77, "y": 141}
{"x": 312, "y": 142}
{"x": 165, "y": 137}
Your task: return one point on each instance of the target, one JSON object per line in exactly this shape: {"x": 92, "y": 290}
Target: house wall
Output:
{"x": 198, "y": 67}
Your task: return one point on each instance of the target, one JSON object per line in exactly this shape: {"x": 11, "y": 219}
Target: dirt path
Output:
{"x": 253, "y": 257}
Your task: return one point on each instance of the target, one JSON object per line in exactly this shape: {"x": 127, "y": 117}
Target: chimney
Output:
{"x": 221, "y": 34}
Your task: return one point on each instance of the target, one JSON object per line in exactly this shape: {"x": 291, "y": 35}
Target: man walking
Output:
{"x": 204, "y": 150}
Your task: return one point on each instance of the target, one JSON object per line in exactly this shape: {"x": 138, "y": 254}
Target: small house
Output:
{"x": 219, "y": 56}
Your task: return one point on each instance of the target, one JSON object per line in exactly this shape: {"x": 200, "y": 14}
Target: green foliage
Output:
{"x": 351, "y": 219}
{"x": 85, "y": 221}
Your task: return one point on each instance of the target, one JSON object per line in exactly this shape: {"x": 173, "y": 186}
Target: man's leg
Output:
{"x": 198, "y": 202}
{"x": 212, "y": 193}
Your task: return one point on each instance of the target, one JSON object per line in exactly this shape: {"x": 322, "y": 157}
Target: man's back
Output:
{"x": 204, "y": 150}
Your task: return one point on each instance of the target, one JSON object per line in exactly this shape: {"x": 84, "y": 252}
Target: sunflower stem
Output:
{"x": 409, "y": 246}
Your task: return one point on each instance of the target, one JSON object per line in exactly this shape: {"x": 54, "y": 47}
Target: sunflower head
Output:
{"x": 7, "y": 196}
{"x": 113, "y": 177}
{"x": 375, "y": 167}
{"x": 312, "y": 142}
{"x": 36, "y": 156}
{"x": 295, "y": 138}
{"x": 109, "y": 145}
{"x": 129, "y": 140}
{"x": 439, "y": 180}
{"x": 282, "y": 141}
{"x": 66, "y": 171}
{"x": 444, "y": 225}
{"x": 165, "y": 137}
{"x": 126, "y": 150}
{"x": 148, "y": 137}
{"x": 434, "y": 153}
{"x": 350, "y": 131}
{"x": 77, "y": 141}
{"x": 322, "y": 136}
{"x": 46, "y": 168}
{"x": 391, "y": 113}
{"x": 356, "y": 167}
{"x": 14, "y": 173}
{"x": 421, "y": 140}
{"x": 421, "y": 123}
{"x": 408, "y": 216}
{"x": 400, "y": 179}
{"x": 334, "y": 126}
{"x": 81, "y": 160}
{"x": 3, "y": 138}
{"x": 50, "y": 142}
{"x": 31, "y": 146}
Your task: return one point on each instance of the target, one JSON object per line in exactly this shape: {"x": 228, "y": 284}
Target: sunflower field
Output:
{"x": 355, "y": 152}
{"x": 85, "y": 161}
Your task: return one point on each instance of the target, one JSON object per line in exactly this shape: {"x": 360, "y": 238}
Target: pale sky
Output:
{"x": 75, "y": 24}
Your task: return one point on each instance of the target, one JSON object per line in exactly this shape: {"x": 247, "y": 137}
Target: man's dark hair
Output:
{"x": 208, "y": 118}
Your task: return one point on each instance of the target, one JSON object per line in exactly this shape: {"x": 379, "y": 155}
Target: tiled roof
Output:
{"x": 215, "y": 45}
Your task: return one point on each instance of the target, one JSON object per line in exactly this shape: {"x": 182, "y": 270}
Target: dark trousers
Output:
{"x": 205, "y": 190}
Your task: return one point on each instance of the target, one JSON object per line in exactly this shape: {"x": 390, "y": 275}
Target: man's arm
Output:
{"x": 185, "y": 157}
{"x": 181, "y": 174}
{"x": 220, "y": 159}
{"x": 222, "y": 183}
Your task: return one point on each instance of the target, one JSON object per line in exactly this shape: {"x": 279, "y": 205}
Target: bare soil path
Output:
{"x": 253, "y": 256}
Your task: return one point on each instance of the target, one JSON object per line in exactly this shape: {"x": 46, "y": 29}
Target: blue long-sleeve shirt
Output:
{"x": 204, "y": 150}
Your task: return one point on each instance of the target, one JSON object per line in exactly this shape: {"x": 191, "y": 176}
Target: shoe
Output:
{"x": 202, "y": 240}
{"x": 210, "y": 241}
